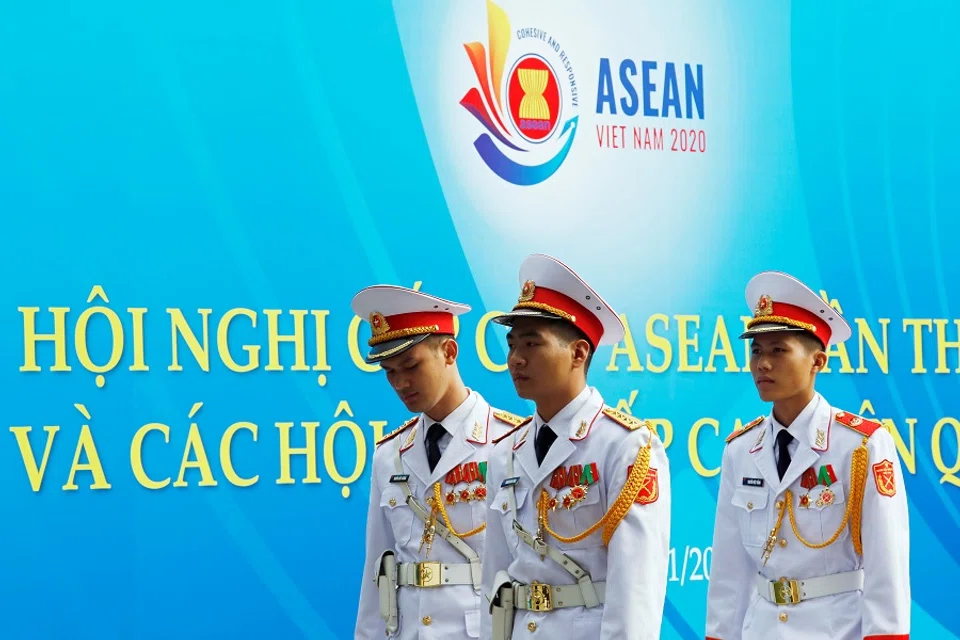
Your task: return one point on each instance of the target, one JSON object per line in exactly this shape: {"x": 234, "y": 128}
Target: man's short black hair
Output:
{"x": 810, "y": 342}
{"x": 568, "y": 333}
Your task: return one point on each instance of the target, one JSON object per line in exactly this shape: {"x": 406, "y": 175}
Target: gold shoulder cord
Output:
{"x": 852, "y": 514}
{"x": 611, "y": 519}
{"x": 438, "y": 504}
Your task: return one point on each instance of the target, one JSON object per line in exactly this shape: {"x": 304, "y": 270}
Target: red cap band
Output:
{"x": 795, "y": 316}
{"x": 569, "y": 309}
{"x": 403, "y": 325}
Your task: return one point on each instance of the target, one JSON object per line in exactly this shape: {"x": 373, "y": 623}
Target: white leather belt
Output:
{"x": 433, "y": 574}
{"x": 785, "y": 591}
{"x": 544, "y": 597}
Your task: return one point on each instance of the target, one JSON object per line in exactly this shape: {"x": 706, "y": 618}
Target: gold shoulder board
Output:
{"x": 393, "y": 434}
{"x": 509, "y": 418}
{"x": 739, "y": 432}
{"x": 512, "y": 431}
{"x": 626, "y": 421}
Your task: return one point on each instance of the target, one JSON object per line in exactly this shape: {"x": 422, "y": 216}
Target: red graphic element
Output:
{"x": 533, "y": 98}
{"x": 478, "y": 58}
{"x": 805, "y": 501}
{"x": 559, "y": 479}
{"x": 451, "y": 497}
{"x": 573, "y": 475}
{"x": 650, "y": 489}
{"x": 471, "y": 471}
{"x": 596, "y": 471}
{"x": 809, "y": 479}
{"x": 481, "y": 492}
{"x": 831, "y": 474}
{"x": 885, "y": 479}
{"x": 454, "y": 476}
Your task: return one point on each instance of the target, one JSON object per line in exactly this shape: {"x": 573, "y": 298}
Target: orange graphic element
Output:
{"x": 498, "y": 39}
{"x": 498, "y": 35}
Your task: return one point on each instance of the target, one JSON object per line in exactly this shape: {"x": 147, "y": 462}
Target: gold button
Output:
{"x": 783, "y": 617}
{"x": 783, "y": 542}
{"x": 504, "y": 505}
{"x": 779, "y": 504}
{"x": 532, "y": 627}
{"x": 393, "y": 502}
{"x": 749, "y": 505}
{"x": 427, "y": 620}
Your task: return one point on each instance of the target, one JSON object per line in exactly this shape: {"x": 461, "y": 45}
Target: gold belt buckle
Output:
{"x": 786, "y": 591}
{"x": 540, "y": 597}
{"x": 428, "y": 574}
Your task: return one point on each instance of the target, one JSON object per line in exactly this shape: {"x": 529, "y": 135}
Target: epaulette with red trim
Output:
{"x": 393, "y": 434}
{"x": 742, "y": 430}
{"x": 625, "y": 420}
{"x": 508, "y": 418}
{"x": 861, "y": 425}
{"x": 512, "y": 431}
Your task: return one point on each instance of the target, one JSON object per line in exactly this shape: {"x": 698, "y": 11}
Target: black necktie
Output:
{"x": 434, "y": 433}
{"x": 545, "y": 438}
{"x": 783, "y": 458}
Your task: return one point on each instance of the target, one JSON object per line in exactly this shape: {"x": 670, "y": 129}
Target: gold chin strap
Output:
{"x": 611, "y": 519}
{"x": 853, "y": 513}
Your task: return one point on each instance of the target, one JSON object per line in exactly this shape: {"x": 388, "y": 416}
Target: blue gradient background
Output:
{"x": 272, "y": 156}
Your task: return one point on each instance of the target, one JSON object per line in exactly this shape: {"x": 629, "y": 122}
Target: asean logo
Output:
{"x": 533, "y": 96}
{"x": 527, "y": 137}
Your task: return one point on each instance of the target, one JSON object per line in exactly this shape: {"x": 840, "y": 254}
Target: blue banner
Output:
{"x": 194, "y": 192}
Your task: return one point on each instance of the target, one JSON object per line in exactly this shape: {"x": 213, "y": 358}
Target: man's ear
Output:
{"x": 450, "y": 350}
{"x": 581, "y": 351}
{"x": 819, "y": 361}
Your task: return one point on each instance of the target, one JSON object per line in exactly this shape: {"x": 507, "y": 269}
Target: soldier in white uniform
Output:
{"x": 579, "y": 495}
{"x": 811, "y": 539}
{"x": 426, "y": 519}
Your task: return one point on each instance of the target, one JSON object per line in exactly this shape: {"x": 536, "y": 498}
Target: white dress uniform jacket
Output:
{"x": 845, "y": 595}
{"x": 634, "y": 565}
{"x": 442, "y": 612}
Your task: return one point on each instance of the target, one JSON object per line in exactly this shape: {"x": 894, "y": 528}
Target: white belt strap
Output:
{"x": 476, "y": 569}
{"x": 433, "y": 574}
{"x": 784, "y": 591}
{"x": 589, "y": 594}
{"x": 544, "y": 597}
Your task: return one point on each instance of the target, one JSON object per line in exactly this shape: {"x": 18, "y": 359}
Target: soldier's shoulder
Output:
{"x": 864, "y": 426}
{"x": 508, "y": 418}
{"x": 514, "y": 429}
{"x": 625, "y": 420}
{"x": 399, "y": 430}
{"x": 744, "y": 429}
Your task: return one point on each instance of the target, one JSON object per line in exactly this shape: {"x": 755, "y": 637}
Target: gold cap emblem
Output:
{"x": 378, "y": 323}
{"x": 526, "y": 293}
{"x": 764, "y": 306}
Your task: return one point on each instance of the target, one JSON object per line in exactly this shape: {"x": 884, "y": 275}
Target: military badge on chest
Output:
{"x": 571, "y": 484}
{"x": 811, "y": 479}
{"x": 466, "y": 483}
